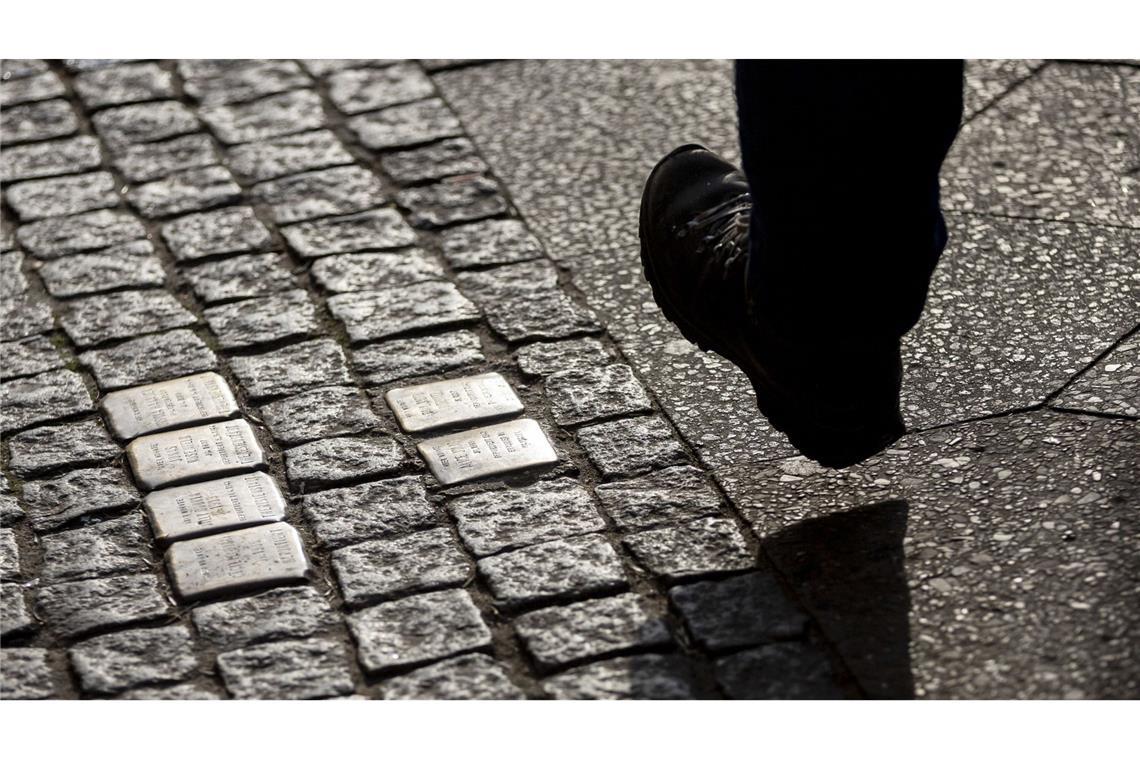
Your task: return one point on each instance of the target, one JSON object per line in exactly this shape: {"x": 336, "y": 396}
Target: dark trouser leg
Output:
{"x": 842, "y": 160}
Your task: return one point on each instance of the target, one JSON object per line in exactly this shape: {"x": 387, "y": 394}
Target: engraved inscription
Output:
{"x": 181, "y": 456}
{"x": 447, "y": 402}
{"x": 265, "y": 555}
{"x": 161, "y": 406}
{"x": 216, "y": 505}
{"x": 490, "y": 450}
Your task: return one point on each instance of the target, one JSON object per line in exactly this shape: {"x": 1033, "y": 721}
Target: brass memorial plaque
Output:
{"x": 266, "y": 555}
{"x": 215, "y": 505}
{"x": 182, "y": 456}
{"x": 448, "y": 402}
{"x": 491, "y": 450}
{"x": 161, "y": 406}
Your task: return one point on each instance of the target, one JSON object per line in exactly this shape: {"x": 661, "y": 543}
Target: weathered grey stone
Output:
{"x": 336, "y": 460}
{"x": 96, "y": 319}
{"x": 13, "y": 283}
{"x": 27, "y": 674}
{"x": 671, "y": 495}
{"x": 524, "y": 301}
{"x": 358, "y": 90}
{"x": 382, "y": 363}
{"x": 373, "y": 315}
{"x": 374, "y": 571}
{"x": 79, "y": 607}
{"x": 48, "y": 159}
{"x": 183, "y": 191}
{"x": 642, "y": 676}
{"x": 116, "y": 85}
{"x": 52, "y": 238}
{"x": 469, "y": 676}
{"x": 216, "y": 505}
{"x": 418, "y": 629}
{"x": 24, "y": 317}
{"x": 10, "y": 511}
{"x": 557, "y": 570}
{"x": 79, "y": 493}
{"x": 340, "y": 190}
{"x": 1111, "y": 386}
{"x": 291, "y": 369}
{"x": 236, "y": 561}
{"x": 406, "y": 125}
{"x": 77, "y": 65}
{"x": 150, "y": 161}
{"x": 314, "y": 669}
{"x": 43, "y": 398}
{"x": 143, "y": 122}
{"x": 242, "y": 83}
{"x": 42, "y": 86}
{"x": 452, "y": 200}
{"x": 228, "y": 230}
{"x": 199, "y": 398}
{"x": 268, "y": 159}
{"x": 349, "y": 272}
{"x": 255, "y": 274}
{"x": 188, "y": 454}
{"x": 130, "y": 265}
{"x": 39, "y": 121}
{"x": 149, "y": 359}
{"x": 9, "y": 555}
{"x": 15, "y": 616}
{"x": 322, "y": 66}
{"x": 585, "y": 395}
{"x": 706, "y": 545}
{"x": 76, "y": 444}
{"x": 273, "y": 116}
{"x": 790, "y": 670}
{"x": 559, "y": 636}
{"x": 384, "y": 509}
{"x": 29, "y": 356}
{"x": 181, "y": 692}
{"x": 379, "y": 229}
{"x": 455, "y": 401}
{"x": 631, "y": 446}
{"x": 739, "y": 611}
{"x": 61, "y": 196}
{"x": 492, "y": 521}
{"x": 16, "y": 68}
{"x": 203, "y": 68}
{"x": 319, "y": 413}
{"x": 539, "y": 359}
{"x": 119, "y": 661}
{"x": 446, "y": 158}
{"x": 263, "y": 320}
{"x": 281, "y": 613}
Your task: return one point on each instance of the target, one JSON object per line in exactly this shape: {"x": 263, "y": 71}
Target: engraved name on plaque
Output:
{"x": 447, "y": 402}
{"x": 181, "y": 456}
{"x": 203, "y": 508}
{"x": 491, "y": 450}
{"x": 160, "y": 406}
{"x": 241, "y": 560}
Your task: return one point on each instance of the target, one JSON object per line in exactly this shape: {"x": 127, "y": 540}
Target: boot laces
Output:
{"x": 725, "y": 227}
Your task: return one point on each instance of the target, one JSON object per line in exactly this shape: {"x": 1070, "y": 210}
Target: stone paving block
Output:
{"x": 27, "y": 674}
{"x": 319, "y": 413}
{"x": 452, "y": 200}
{"x": 269, "y": 159}
{"x": 446, "y": 158}
{"x": 111, "y": 547}
{"x": 13, "y": 283}
{"x": 242, "y": 83}
{"x": 379, "y": 229}
{"x": 493, "y": 241}
{"x": 322, "y": 66}
{"x": 77, "y": 65}
{"x": 340, "y": 190}
{"x": 228, "y": 230}
{"x": 203, "y": 68}
{"x": 53, "y": 238}
{"x": 631, "y": 446}
{"x": 43, "y": 398}
{"x": 39, "y": 121}
{"x": 1111, "y": 386}
{"x": 314, "y": 669}
{"x": 350, "y": 272}
{"x": 554, "y": 571}
{"x": 384, "y": 509}
{"x": 97, "y": 319}
{"x": 129, "y": 265}
{"x": 181, "y": 692}
{"x": 149, "y": 359}
{"x": 62, "y": 196}
{"x": 586, "y": 395}
{"x": 43, "y": 86}
{"x": 291, "y": 369}
{"x": 703, "y": 546}
{"x": 406, "y": 125}
{"x": 338, "y": 460}
{"x": 469, "y": 676}
{"x": 791, "y": 670}
{"x": 374, "y": 315}
{"x": 184, "y": 191}
{"x": 9, "y": 555}
{"x": 29, "y": 356}
{"x": 738, "y": 611}
{"x": 76, "y": 444}
{"x": 117, "y": 85}
{"x": 357, "y": 90}
{"x": 124, "y": 660}
{"x": 381, "y": 363}
{"x": 493, "y": 521}
{"x": 15, "y": 68}
{"x": 48, "y": 159}
{"x": 79, "y": 493}
{"x": 540, "y": 359}
{"x": 255, "y": 274}
{"x": 272, "y": 116}
{"x": 15, "y": 615}
{"x": 144, "y": 122}
{"x": 280, "y": 613}
{"x": 10, "y": 511}
{"x": 150, "y": 161}
{"x": 559, "y": 636}
{"x": 418, "y": 630}
{"x": 524, "y": 301}
{"x": 24, "y": 317}
{"x": 79, "y": 607}
{"x": 376, "y": 571}
{"x": 267, "y": 319}
{"x": 671, "y": 495}
{"x": 643, "y": 676}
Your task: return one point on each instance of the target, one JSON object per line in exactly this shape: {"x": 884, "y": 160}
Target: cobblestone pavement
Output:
{"x": 320, "y": 232}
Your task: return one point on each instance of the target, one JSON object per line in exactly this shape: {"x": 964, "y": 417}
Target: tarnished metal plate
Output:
{"x": 172, "y": 403}
{"x": 182, "y": 456}
{"x": 216, "y": 505}
{"x": 266, "y": 555}
{"x": 491, "y": 450}
{"x": 448, "y": 402}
